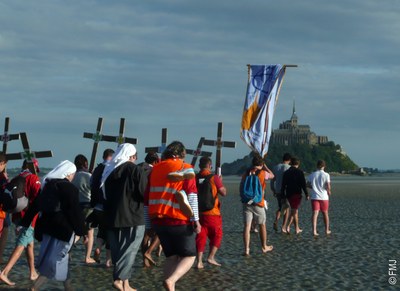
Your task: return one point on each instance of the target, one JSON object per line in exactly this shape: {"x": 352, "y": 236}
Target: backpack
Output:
{"x": 206, "y": 198}
{"x": 48, "y": 199}
{"x": 13, "y": 196}
{"x": 251, "y": 190}
{"x": 96, "y": 195}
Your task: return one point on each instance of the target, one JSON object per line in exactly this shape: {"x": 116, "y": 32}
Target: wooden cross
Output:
{"x": 120, "y": 138}
{"x": 198, "y": 152}
{"x": 5, "y": 138}
{"x": 219, "y": 144}
{"x": 163, "y": 146}
{"x": 97, "y": 137}
{"x": 28, "y": 155}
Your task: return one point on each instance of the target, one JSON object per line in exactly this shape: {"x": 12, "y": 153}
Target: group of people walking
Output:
{"x": 159, "y": 202}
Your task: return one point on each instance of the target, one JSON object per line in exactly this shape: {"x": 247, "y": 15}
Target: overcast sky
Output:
{"x": 182, "y": 65}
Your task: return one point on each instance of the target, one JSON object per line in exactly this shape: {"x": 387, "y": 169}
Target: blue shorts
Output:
{"x": 25, "y": 237}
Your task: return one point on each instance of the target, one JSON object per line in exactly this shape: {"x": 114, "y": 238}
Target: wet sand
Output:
{"x": 366, "y": 234}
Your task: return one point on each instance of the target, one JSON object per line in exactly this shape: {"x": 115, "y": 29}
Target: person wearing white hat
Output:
{"x": 123, "y": 184}
{"x": 60, "y": 220}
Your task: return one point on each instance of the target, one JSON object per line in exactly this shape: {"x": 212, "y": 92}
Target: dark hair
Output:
{"x": 257, "y": 160}
{"x": 321, "y": 164}
{"x": 175, "y": 149}
{"x": 294, "y": 161}
{"x": 286, "y": 157}
{"x": 3, "y": 157}
{"x": 107, "y": 153}
{"x": 204, "y": 162}
{"x": 151, "y": 157}
{"x": 81, "y": 162}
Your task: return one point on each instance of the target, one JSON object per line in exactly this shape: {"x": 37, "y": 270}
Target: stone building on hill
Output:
{"x": 290, "y": 132}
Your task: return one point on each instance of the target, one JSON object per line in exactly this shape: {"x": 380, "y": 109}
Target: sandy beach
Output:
{"x": 366, "y": 235}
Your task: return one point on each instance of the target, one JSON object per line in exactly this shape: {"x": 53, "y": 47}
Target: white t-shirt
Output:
{"x": 319, "y": 180}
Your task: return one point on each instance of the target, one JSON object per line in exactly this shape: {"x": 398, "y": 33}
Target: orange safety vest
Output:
{"x": 162, "y": 200}
{"x": 217, "y": 206}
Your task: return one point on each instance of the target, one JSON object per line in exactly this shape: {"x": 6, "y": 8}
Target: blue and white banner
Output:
{"x": 263, "y": 89}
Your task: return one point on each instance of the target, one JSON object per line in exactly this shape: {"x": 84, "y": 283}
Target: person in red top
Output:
{"x": 256, "y": 211}
{"x": 25, "y": 237}
{"x": 165, "y": 206}
{"x": 210, "y": 220}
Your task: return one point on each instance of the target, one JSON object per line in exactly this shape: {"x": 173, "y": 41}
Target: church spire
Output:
{"x": 294, "y": 106}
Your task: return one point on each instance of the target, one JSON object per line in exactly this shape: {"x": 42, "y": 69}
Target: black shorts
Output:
{"x": 179, "y": 240}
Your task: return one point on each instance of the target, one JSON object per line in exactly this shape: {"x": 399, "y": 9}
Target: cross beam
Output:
{"x": 159, "y": 149}
{"x": 219, "y": 144}
{"x": 28, "y": 155}
{"x": 5, "y": 138}
{"x": 98, "y": 136}
{"x": 198, "y": 152}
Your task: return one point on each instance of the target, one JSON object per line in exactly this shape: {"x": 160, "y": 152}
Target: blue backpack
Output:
{"x": 251, "y": 190}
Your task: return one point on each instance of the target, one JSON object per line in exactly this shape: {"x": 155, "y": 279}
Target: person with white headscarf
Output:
{"x": 123, "y": 184}
{"x": 60, "y": 219}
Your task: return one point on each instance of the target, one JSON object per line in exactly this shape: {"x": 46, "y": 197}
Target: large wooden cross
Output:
{"x": 5, "y": 138}
{"x": 198, "y": 152}
{"x": 97, "y": 137}
{"x": 159, "y": 149}
{"x": 28, "y": 155}
{"x": 219, "y": 144}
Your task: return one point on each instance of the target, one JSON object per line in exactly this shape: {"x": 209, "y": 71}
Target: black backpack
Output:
{"x": 13, "y": 197}
{"x": 206, "y": 198}
{"x": 48, "y": 199}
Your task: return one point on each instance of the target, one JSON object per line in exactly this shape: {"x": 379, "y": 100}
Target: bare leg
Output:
{"x": 314, "y": 222}
{"x": 30, "y": 256}
{"x": 89, "y": 247}
{"x": 296, "y": 222}
{"x": 97, "y": 251}
{"x": 200, "y": 260}
{"x": 286, "y": 214}
{"x": 211, "y": 256}
{"x": 154, "y": 244}
{"x": 246, "y": 238}
{"x": 16, "y": 254}
{"x": 174, "y": 269}
{"x": 277, "y": 217}
{"x": 40, "y": 281}
{"x": 263, "y": 239}
{"x": 326, "y": 221}
{"x": 108, "y": 258}
{"x": 292, "y": 214}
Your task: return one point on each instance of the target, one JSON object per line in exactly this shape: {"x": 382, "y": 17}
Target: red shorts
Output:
{"x": 211, "y": 228}
{"x": 322, "y": 205}
{"x": 294, "y": 201}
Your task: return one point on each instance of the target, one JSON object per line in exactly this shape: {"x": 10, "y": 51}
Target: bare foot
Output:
{"x": 284, "y": 230}
{"x": 34, "y": 276}
{"x": 96, "y": 256}
{"x": 299, "y": 231}
{"x": 288, "y": 230}
{"x": 213, "y": 262}
{"x": 267, "y": 249}
{"x": 276, "y": 226}
{"x": 5, "y": 279}
{"x": 168, "y": 285}
{"x": 108, "y": 264}
{"x": 150, "y": 259}
{"x": 328, "y": 232}
{"x": 159, "y": 251}
{"x": 316, "y": 234}
{"x": 118, "y": 285}
{"x": 200, "y": 265}
{"x": 90, "y": 261}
